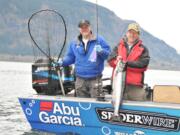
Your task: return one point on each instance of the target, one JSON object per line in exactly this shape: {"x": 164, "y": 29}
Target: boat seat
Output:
{"x": 166, "y": 94}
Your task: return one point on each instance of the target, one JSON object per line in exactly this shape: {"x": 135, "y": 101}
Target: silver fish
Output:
{"x": 118, "y": 86}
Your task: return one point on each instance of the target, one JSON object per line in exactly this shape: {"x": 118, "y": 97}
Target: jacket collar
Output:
{"x": 79, "y": 38}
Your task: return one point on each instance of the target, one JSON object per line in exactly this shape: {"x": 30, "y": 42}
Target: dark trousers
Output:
{"x": 89, "y": 87}
{"x": 135, "y": 93}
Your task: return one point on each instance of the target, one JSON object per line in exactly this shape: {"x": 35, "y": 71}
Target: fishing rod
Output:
{"x": 97, "y": 20}
{"x": 101, "y": 96}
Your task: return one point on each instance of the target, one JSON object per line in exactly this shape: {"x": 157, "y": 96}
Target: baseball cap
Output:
{"x": 134, "y": 26}
{"x": 83, "y": 22}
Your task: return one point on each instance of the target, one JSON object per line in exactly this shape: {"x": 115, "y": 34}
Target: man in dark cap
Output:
{"x": 88, "y": 53}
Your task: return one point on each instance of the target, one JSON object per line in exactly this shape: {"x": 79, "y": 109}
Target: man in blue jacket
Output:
{"x": 88, "y": 53}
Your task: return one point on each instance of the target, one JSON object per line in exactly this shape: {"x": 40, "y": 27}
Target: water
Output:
{"x": 15, "y": 81}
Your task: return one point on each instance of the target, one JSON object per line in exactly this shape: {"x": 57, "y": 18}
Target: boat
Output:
{"x": 68, "y": 115}
{"x": 64, "y": 115}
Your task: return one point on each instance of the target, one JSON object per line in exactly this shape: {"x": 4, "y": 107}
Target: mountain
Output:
{"x": 15, "y": 41}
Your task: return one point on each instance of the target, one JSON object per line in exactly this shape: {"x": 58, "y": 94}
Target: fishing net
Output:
{"x": 48, "y": 32}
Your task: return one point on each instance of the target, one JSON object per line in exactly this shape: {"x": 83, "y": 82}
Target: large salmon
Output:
{"x": 118, "y": 86}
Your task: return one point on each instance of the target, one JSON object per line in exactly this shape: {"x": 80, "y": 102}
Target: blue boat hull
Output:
{"x": 77, "y": 116}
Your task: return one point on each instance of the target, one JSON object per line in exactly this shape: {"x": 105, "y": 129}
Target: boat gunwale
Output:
{"x": 93, "y": 100}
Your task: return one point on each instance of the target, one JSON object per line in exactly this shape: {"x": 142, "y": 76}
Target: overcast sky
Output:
{"x": 159, "y": 17}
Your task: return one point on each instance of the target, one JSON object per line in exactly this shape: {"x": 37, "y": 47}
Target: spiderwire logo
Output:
{"x": 156, "y": 121}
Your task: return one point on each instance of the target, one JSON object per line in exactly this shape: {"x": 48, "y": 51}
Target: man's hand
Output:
{"x": 118, "y": 58}
{"x": 98, "y": 48}
{"x": 120, "y": 63}
{"x": 57, "y": 64}
{"x": 60, "y": 61}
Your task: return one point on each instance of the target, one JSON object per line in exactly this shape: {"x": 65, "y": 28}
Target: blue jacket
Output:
{"x": 88, "y": 63}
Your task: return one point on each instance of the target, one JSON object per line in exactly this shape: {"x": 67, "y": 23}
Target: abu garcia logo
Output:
{"x": 55, "y": 113}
